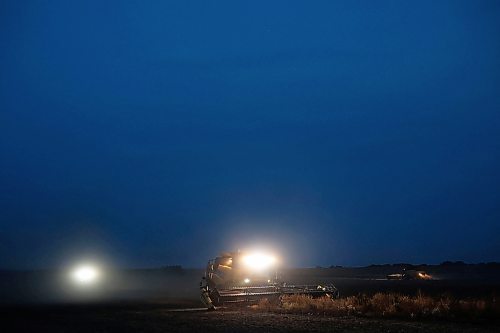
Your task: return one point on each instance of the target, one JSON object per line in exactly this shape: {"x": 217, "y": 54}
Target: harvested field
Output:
{"x": 144, "y": 300}
{"x": 146, "y": 318}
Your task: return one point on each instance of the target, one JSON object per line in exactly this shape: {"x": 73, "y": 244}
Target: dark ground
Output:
{"x": 157, "y": 318}
{"x": 143, "y": 300}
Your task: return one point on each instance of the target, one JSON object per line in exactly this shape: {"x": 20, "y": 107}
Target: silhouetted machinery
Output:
{"x": 241, "y": 277}
{"x": 410, "y": 274}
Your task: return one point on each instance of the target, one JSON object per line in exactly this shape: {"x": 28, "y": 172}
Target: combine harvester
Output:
{"x": 242, "y": 278}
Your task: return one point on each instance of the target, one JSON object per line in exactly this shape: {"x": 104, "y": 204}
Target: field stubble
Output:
{"x": 389, "y": 305}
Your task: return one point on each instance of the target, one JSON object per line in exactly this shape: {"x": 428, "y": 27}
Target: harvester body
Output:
{"x": 239, "y": 278}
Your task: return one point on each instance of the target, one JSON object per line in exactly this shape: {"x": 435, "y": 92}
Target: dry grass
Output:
{"x": 388, "y": 305}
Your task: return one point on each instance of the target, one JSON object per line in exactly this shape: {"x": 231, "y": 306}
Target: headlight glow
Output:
{"x": 258, "y": 261}
{"x": 85, "y": 274}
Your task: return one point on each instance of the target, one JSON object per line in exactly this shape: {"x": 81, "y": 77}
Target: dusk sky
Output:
{"x": 153, "y": 133}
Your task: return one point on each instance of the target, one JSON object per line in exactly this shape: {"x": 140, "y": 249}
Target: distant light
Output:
{"x": 247, "y": 280}
{"x": 424, "y": 276}
{"x": 85, "y": 274}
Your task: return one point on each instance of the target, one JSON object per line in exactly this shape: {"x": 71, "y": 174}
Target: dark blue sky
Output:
{"x": 156, "y": 133}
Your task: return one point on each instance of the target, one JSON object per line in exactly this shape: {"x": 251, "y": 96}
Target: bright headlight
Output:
{"x": 85, "y": 274}
{"x": 258, "y": 261}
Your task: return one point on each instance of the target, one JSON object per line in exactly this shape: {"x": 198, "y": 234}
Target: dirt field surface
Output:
{"x": 159, "y": 318}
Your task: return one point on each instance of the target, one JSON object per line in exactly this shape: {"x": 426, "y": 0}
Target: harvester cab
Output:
{"x": 241, "y": 277}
